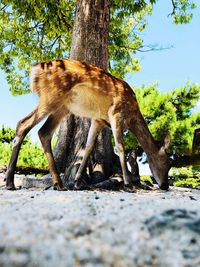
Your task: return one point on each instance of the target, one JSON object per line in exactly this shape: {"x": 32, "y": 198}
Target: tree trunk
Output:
{"x": 89, "y": 44}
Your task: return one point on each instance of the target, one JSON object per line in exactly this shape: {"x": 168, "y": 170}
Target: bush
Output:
{"x": 187, "y": 177}
{"x": 31, "y": 155}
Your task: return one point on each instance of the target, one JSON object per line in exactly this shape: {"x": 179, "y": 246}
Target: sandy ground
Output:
{"x": 92, "y": 228}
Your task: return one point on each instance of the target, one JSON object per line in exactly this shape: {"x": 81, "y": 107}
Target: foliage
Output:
{"x": 30, "y": 154}
{"x": 184, "y": 8}
{"x": 188, "y": 182}
{"x": 187, "y": 177}
{"x": 183, "y": 177}
{"x": 6, "y": 135}
{"x": 41, "y": 30}
{"x": 125, "y": 39}
{"x": 147, "y": 179}
{"x": 171, "y": 113}
{"x": 29, "y": 32}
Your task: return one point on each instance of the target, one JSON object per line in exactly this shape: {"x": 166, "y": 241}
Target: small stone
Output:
{"x": 192, "y": 198}
{"x": 193, "y": 241}
{"x": 2, "y": 248}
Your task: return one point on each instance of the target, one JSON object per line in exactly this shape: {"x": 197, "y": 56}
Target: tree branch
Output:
{"x": 4, "y": 7}
{"x": 175, "y": 7}
{"x": 52, "y": 44}
{"x": 154, "y": 49}
{"x": 149, "y": 48}
{"x": 186, "y": 160}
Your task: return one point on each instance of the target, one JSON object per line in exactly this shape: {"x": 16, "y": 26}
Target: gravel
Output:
{"x": 92, "y": 228}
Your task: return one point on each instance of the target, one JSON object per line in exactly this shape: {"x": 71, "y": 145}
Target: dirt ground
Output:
{"x": 92, "y": 228}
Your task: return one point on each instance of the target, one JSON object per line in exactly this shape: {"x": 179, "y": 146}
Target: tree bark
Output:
{"x": 90, "y": 45}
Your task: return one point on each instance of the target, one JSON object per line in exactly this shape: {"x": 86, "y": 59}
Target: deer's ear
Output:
{"x": 165, "y": 145}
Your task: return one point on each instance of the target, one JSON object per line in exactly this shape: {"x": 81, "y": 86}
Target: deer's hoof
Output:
{"x": 80, "y": 185}
{"x": 58, "y": 187}
{"x": 144, "y": 186}
{"x": 11, "y": 187}
{"x": 129, "y": 188}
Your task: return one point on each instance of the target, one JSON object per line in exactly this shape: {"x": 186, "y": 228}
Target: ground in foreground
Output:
{"x": 91, "y": 228}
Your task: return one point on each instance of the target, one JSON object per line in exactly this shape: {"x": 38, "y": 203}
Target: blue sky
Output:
{"x": 175, "y": 66}
{"x": 171, "y": 68}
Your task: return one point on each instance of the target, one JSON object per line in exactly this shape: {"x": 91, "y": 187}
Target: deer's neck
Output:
{"x": 140, "y": 129}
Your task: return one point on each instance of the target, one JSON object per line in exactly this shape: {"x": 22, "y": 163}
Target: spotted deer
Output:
{"x": 69, "y": 86}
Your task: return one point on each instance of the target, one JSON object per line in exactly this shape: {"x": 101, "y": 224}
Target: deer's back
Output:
{"x": 85, "y": 90}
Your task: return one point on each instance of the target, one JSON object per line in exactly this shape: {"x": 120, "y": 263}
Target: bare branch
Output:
{"x": 4, "y": 7}
{"x": 153, "y": 48}
{"x": 175, "y": 7}
{"x": 148, "y": 48}
{"x": 50, "y": 47}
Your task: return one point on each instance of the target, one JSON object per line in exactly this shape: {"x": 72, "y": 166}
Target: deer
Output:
{"x": 69, "y": 86}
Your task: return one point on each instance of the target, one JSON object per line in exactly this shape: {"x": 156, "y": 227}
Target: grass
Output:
{"x": 190, "y": 182}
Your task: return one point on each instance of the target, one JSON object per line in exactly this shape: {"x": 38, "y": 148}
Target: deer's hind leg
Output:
{"x": 23, "y": 127}
{"x": 95, "y": 128}
{"x": 45, "y": 133}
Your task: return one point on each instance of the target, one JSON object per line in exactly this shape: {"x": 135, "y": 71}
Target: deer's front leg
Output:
{"x": 116, "y": 126}
{"x": 95, "y": 128}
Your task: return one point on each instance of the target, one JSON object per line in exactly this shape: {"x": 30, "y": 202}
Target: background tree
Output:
{"x": 170, "y": 112}
{"x": 42, "y": 30}
{"x": 32, "y": 31}
{"x": 89, "y": 44}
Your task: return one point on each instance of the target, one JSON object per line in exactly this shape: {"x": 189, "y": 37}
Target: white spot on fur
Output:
{"x": 15, "y": 141}
{"x": 33, "y": 73}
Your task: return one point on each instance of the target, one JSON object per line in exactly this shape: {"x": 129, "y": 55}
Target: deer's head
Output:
{"x": 160, "y": 165}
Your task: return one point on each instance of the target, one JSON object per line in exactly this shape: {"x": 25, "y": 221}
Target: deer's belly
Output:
{"x": 85, "y": 101}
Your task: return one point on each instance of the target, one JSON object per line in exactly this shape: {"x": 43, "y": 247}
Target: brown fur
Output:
{"x": 65, "y": 86}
